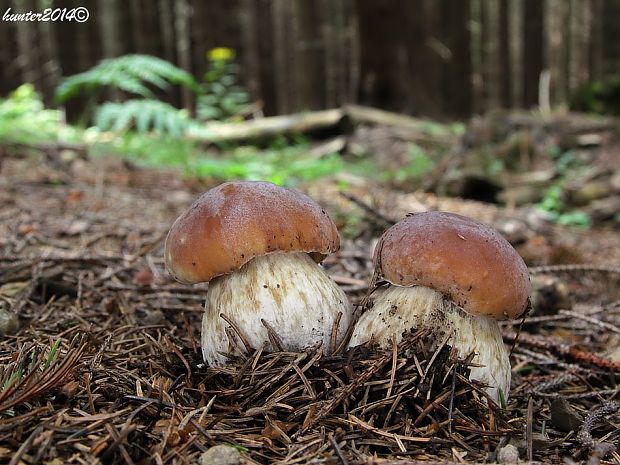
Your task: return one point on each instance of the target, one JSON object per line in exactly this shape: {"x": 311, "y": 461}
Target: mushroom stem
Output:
{"x": 289, "y": 291}
{"x": 401, "y": 309}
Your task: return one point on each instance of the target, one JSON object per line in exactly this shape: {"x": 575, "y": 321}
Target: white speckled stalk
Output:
{"x": 405, "y": 308}
{"x": 289, "y": 291}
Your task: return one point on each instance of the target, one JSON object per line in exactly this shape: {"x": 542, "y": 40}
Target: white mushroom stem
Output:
{"x": 289, "y": 291}
{"x": 400, "y": 309}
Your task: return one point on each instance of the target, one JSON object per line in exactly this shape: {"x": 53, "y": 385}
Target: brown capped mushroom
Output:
{"x": 455, "y": 276}
{"x": 258, "y": 244}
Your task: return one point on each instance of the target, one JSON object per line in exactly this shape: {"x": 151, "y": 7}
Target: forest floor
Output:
{"x": 101, "y": 361}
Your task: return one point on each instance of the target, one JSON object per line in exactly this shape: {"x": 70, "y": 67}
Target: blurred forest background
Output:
{"x": 422, "y": 57}
{"x": 505, "y": 111}
{"x": 475, "y": 99}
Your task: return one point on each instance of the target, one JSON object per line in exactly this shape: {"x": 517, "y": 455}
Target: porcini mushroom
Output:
{"x": 258, "y": 245}
{"x": 456, "y": 277}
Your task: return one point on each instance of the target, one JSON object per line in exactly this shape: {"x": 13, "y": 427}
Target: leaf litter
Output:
{"x": 106, "y": 365}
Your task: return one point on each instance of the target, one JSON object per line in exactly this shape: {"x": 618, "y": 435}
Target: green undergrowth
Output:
{"x": 284, "y": 161}
{"x": 554, "y": 201}
{"x": 25, "y": 120}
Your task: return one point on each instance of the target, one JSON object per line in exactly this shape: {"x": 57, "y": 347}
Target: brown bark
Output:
{"x": 490, "y": 46}
{"x": 281, "y": 60}
{"x": 533, "y": 50}
{"x": 515, "y": 24}
{"x": 182, "y": 34}
{"x": 505, "y": 71}
{"x": 425, "y": 58}
{"x": 556, "y": 48}
{"x": 596, "y": 42}
{"x": 457, "y": 70}
{"x": 311, "y": 71}
{"x": 110, "y": 25}
{"x": 266, "y": 57}
{"x": 166, "y": 29}
{"x": 248, "y": 18}
{"x": 28, "y": 59}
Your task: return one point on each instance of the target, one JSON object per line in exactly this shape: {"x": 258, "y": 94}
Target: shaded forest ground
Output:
{"x": 102, "y": 361}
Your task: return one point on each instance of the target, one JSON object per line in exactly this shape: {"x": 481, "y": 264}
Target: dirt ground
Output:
{"x": 101, "y": 364}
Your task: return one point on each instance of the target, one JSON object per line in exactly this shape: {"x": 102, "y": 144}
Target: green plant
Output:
{"x": 502, "y": 398}
{"x": 600, "y": 96}
{"x": 25, "y": 120}
{"x": 144, "y": 116}
{"x": 222, "y": 97}
{"x": 282, "y": 162}
{"x": 129, "y": 73}
{"x": 554, "y": 204}
{"x": 218, "y": 97}
{"x": 149, "y": 149}
{"x": 34, "y": 373}
{"x": 419, "y": 164}
{"x": 568, "y": 166}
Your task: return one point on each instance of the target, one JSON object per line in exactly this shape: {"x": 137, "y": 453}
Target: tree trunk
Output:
{"x": 167, "y": 29}
{"x": 457, "y": 70}
{"x": 505, "y": 71}
{"x": 330, "y": 44}
{"x": 533, "y": 51}
{"x": 284, "y": 70}
{"x": 28, "y": 60}
{"x": 50, "y": 65}
{"x": 580, "y": 23}
{"x": 596, "y": 44}
{"x": 515, "y": 23}
{"x": 425, "y": 57}
{"x": 145, "y": 27}
{"x": 556, "y": 18}
{"x": 182, "y": 34}
{"x": 251, "y": 50}
{"x": 313, "y": 69}
{"x": 490, "y": 26}
{"x": 110, "y": 27}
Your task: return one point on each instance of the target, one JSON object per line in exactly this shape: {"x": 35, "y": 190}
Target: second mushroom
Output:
{"x": 456, "y": 277}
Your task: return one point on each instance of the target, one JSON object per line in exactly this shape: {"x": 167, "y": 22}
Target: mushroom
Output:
{"x": 456, "y": 277}
{"x": 258, "y": 245}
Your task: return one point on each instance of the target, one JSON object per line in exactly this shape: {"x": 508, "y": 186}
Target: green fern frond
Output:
{"x": 129, "y": 73}
{"x": 143, "y": 116}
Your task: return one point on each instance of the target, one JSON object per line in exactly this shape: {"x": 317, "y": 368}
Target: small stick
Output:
{"x": 451, "y": 405}
{"x": 244, "y": 339}
{"x": 334, "y": 336}
{"x": 117, "y": 442}
{"x": 360, "y": 380}
{"x": 590, "y": 319}
{"x": 393, "y": 370}
{"x": 276, "y": 342}
{"x": 529, "y": 436}
{"x": 585, "y": 436}
{"x": 178, "y": 353}
{"x": 514, "y": 343}
{"x": 91, "y": 403}
{"x": 338, "y": 451}
{"x": 233, "y": 344}
{"x": 379, "y": 218}
{"x": 190, "y": 332}
{"x": 565, "y": 350}
{"x": 574, "y": 267}
{"x": 304, "y": 380}
{"x": 345, "y": 339}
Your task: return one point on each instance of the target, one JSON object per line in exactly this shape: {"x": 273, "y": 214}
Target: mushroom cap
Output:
{"x": 467, "y": 261}
{"x": 236, "y": 221}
